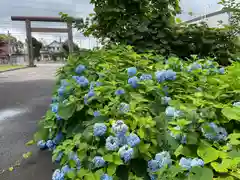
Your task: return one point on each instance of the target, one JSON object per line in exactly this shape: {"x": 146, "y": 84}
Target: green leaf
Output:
{"x": 222, "y": 167}
{"x": 207, "y": 152}
{"x": 82, "y": 172}
{"x": 71, "y": 174}
{"x": 234, "y": 138}
{"x": 117, "y": 160}
{"x": 108, "y": 158}
{"x": 66, "y": 111}
{"x": 199, "y": 173}
{"x": 29, "y": 143}
{"x": 232, "y": 113}
{"x": 183, "y": 150}
{"x": 192, "y": 138}
{"x": 111, "y": 169}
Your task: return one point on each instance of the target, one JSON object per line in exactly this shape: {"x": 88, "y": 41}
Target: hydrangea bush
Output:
{"x": 116, "y": 114}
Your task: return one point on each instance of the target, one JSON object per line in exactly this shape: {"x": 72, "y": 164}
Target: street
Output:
{"x": 25, "y": 96}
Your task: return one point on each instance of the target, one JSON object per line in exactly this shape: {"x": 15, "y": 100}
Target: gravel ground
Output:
{"x": 24, "y": 98}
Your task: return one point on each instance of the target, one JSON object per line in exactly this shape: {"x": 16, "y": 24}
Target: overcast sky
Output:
{"x": 76, "y": 8}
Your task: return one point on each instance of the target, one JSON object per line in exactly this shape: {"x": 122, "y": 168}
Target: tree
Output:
{"x": 65, "y": 47}
{"x": 233, "y": 7}
{"x": 37, "y": 45}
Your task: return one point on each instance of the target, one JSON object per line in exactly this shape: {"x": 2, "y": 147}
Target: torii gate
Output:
{"x": 30, "y": 29}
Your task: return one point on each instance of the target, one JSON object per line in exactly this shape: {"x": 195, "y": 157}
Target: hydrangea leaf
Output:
{"x": 199, "y": 173}
{"x": 234, "y": 138}
{"x": 66, "y": 111}
{"x": 207, "y": 152}
{"x": 232, "y": 113}
{"x": 111, "y": 169}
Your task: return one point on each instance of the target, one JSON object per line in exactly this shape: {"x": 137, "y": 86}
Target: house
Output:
{"x": 4, "y": 53}
{"x": 51, "y": 51}
{"x": 213, "y": 19}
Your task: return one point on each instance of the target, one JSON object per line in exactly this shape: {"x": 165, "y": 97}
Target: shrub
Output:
{"x": 117, "y": 114}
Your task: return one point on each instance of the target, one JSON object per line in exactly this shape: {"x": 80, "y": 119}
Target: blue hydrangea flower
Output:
{"x": 176, "y": 135}
{"x": 170, "y": 75}
{"x": 165, "y": 90}
{"x": 221, "y": 70}
{"x": 184, "y": 139}
{"x": 58, "y": 117}
{"x": 163, "y": 159}
{"x": 82, "y": 81}
{"x": 160, "y": 76}
{"x": 197, "y": 162}
{"x": 195, "y": 66}
{"x": 58, "y": 138}
{"x": 80, "y": 68}
{"x": 99, "y": 129}
{"x": 153, "y": 176}
{"x": 236, "y": 104}
{"x": 119, "y": 92}
{"x": 122, "y": 140}
{"x": 50, "y": 145}
{"x": 106, "y": 177}
{"x": 185, "y": 163}
{"x": 172, "y": 112}
{"x": 133, "y": 140}
{"x": 58, "y": 175}
{"x": 153, "y": 165}
{"x": 91, "y": 94}
{"x": 64, "y": 83}
{"x": 96, "y": 113}
{"x": 59, "y": 157}
{"x": 61, "y": 91}
{"x": 145, "y": 77}
{"x": 55, "y": 108}
{"x": 120, "y": 128}
{"x": 214, "y": 133}
{"x": 73, "y": 156}
{"x": 126, "y": 153}
{"x": 124, "y": 108}
{"x": 165, "y": 100}
{"x": 98, "y": 161}
{"x": 98, "y": 83}
{"x": 133, "y": 81}
{"x": 112, "y": 143}
{"x": 42, "y": 144}
{"x": 132, "y": 71}
{"x": 65, "y": 169}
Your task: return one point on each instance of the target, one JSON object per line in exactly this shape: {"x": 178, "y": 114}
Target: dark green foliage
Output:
{"x": 150, "y": 25}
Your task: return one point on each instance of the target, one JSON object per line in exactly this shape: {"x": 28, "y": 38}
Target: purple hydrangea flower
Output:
{"x": 133, "y": 81}
{"x": 80, "y": 68}
{"x": 133, "y": 140}
{"x": 120, "y": 128}
{"x": 119, "y": 92}
{"x": 98, "y": 161}
{"x": 99, "y": 129}
{"x": 126, "y": 153}
{"x": 132, "y": 71}
{"x": 112, "y": 143}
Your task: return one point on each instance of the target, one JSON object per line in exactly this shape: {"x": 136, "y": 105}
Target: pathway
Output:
{"x": 24, "y": 98}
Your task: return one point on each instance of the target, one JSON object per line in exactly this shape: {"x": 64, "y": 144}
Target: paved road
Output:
{"x": 24, "y": 98}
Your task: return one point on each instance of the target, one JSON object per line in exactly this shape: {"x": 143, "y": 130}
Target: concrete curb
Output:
{"x": 14, "y": 69}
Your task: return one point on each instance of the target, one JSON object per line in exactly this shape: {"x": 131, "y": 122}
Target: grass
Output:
{"x": 8, "y": 67}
